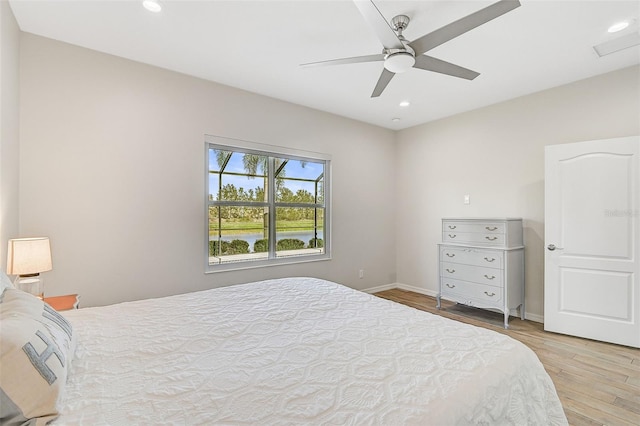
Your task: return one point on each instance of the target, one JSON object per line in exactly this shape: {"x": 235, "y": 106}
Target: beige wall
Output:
{"x": 496, "y": 155}
{"x": 112, "y": 169}
{"x": 112, "y": 157}
{"x": 9, "y": 127}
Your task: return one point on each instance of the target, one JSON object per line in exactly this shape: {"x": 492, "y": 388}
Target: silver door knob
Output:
{"x": 552, "y": 247}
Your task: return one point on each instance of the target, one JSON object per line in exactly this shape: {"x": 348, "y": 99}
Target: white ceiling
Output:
{"x": 258, "y": 46}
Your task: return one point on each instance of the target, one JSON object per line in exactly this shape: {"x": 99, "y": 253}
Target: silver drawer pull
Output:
{"x": 452, "y": 227}
{"x": 452, "y": 236}
{"x": 489, "y": 277}
{"x": 490, "y": 228}
{"x": 490, "y": 295}
{"x": 489, "y": 260}
{"x": 491, "y": 238}
{"x": 451, "y": 271}
{"x": 450, "y": 254}
{"x": 450, "y": 286}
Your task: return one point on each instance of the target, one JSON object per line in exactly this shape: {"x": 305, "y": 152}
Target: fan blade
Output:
{"x": 429, "y": 63}
{"x": 353, "y": 60}
{"x": 461, "y": 26}
{"x": 379, "y": 24}
{"x": 384, "y": 79}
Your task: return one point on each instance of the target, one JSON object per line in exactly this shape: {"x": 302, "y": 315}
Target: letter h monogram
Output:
{"x": 39, "y": 360}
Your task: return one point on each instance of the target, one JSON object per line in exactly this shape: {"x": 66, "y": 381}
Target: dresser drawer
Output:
{"x": 479, "y": 227}
{"x": 469, "y": 256}
{"x": 476, "y": 274}
{"x": 485, "y": 239}
{"x": 467, "y": 292}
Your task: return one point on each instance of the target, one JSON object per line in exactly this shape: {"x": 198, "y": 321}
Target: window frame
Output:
{"x": 272, "y": 152}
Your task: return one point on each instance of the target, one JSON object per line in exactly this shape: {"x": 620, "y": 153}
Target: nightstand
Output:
{"x": 63, "y": 303}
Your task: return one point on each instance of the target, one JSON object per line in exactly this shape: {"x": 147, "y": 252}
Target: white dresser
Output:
{"x": 482, "y": 264}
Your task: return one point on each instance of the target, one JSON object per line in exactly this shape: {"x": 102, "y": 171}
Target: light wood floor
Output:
{"x": 598, "y": 383}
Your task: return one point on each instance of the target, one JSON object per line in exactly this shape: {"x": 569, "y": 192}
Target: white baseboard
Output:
{"x": 534, "y": 317}
{"x": 380, "y": 288}
{"x": 527, "y": 315}
{"x": 424, "y": 291}
{"x": 401, "y": 287}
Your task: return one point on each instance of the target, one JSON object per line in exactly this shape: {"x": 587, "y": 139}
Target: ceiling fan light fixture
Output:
{"x": 399, "y": 62}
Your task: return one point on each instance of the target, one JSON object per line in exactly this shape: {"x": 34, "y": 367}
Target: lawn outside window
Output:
{"x": 266, "y": 205}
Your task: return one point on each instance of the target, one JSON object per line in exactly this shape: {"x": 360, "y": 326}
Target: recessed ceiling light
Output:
{"x": 395, "y": 120}
{"x": 618, "y": 26}
{"x": 152, "y": 5}
{"x": 405, "y": 103}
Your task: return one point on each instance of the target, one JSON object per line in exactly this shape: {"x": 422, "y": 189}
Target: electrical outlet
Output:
{"x": 467, "y": 199}
{"x": 361, "y": 273}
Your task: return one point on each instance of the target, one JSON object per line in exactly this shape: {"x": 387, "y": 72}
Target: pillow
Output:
{"x": 36, "y": 348}
{"x": 5, "y": 282}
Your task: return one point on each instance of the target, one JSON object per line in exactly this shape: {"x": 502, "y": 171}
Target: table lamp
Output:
{"x": 26, "y": 258}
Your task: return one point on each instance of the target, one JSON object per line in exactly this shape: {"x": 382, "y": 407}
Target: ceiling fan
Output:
{"x": 399, "y": 55}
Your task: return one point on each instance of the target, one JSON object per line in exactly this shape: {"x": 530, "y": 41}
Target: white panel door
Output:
{"x": 592, "y": 238}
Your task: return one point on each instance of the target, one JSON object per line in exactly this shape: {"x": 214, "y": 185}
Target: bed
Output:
{"x": 293, "y": 351}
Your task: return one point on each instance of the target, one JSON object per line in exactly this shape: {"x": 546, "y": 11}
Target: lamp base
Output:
{"x": 32, "y": 283}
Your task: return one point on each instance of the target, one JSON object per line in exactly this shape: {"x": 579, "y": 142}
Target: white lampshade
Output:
{"x": 28, "y": 256}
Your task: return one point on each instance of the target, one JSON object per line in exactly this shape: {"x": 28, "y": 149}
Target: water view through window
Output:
{"x": 264, "y": 206}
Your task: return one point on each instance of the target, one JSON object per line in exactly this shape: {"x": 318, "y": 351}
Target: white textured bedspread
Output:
{"x": 296, "y": 351}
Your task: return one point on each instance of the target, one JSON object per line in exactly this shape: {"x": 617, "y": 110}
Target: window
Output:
{"x": 265, "y": 205}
